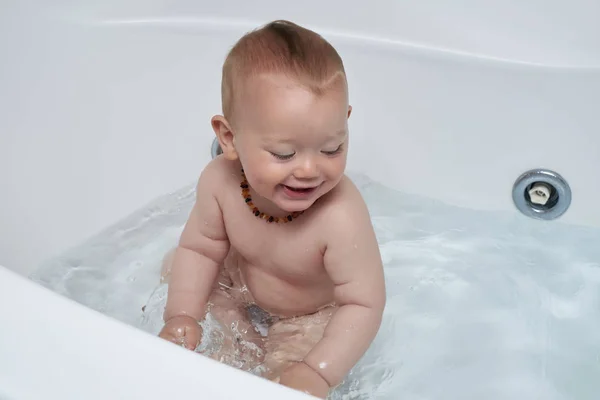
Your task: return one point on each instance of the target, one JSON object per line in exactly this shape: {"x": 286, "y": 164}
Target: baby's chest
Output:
{"x": 282, "y": 249}
{"x": 275, "y": 246}
{"x": 292, "y": 246}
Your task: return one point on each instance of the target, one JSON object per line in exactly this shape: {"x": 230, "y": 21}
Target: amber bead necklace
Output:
{"x": 269, "y": 218}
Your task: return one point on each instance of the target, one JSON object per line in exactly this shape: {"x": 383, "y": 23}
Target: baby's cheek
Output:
{"x": 256, "y": 181}
{"x": 267, "y": 177}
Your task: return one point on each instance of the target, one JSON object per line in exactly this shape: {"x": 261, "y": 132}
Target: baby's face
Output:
{"x": 292, "y": 143}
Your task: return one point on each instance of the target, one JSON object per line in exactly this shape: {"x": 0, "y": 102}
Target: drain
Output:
{"x": 542, "y": 194}
{"x": 215, "y": 149}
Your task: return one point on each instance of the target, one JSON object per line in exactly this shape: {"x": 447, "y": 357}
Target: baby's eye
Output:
{"x": 333, "y": 152}
{"x": 282, "y": 156}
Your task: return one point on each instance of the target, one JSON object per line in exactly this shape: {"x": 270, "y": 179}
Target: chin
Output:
{"x": 297, "y": 206}
{"x": 291, "y": 206}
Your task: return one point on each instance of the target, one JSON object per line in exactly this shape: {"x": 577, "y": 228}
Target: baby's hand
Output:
{"x": 182, "y": 330}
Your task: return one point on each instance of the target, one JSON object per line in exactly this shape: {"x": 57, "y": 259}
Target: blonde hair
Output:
{"x": 285, "y": 48}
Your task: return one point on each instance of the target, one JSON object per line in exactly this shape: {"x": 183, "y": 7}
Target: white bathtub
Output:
{"x": 106, "y": 105}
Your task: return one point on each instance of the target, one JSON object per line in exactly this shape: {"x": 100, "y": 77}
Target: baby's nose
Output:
{"x": 307, "y": 169}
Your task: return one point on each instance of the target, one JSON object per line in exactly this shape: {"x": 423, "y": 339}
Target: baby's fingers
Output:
{"x": 192, "y": 336}
{"x": 186, "y": 336}
{"x": 169, "y": 335}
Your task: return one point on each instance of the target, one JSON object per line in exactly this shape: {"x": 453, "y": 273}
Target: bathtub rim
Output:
{"x": 25, "y": 317}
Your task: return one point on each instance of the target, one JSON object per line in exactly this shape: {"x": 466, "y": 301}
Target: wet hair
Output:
{"x": 280, "y": 47}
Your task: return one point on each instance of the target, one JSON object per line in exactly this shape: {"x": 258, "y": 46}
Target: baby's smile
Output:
{"x": 298, "y": 192}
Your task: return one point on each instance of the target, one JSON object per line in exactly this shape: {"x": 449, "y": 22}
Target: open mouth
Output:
{"x": 299, "y": 193}
{"x": 299, "y": 190}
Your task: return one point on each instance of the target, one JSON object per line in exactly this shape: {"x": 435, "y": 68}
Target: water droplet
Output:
{"x": 322, "y": 365}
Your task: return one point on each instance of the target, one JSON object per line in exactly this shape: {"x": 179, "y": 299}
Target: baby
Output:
{"x": 277, "y": 229}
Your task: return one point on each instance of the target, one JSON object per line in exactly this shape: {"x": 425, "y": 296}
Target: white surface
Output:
{"x": 106, "y": 105}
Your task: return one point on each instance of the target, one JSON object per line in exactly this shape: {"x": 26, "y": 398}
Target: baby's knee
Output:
{"x": 275, "y": 363}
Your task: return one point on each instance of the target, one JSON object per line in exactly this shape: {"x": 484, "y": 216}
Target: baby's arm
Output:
{"x": 202, "y": 248}
{"x": 353, "y": 262}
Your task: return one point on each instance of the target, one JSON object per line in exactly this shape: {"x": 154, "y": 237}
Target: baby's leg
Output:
{"x": 240, "y": 345}
{"x": 290, "y": 340}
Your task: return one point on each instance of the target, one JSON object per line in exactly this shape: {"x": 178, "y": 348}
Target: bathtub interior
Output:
{"x": 106, "y": 106}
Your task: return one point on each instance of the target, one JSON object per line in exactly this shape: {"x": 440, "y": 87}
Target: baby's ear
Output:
{"x": 225, "y": 136}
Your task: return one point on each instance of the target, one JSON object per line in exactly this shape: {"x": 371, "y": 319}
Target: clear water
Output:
{"x": 480, "y": 304}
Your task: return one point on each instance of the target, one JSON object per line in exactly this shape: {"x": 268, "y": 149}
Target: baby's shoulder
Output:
{"x": 345, "y": 196}
{"x": 217, "y": 175}
{"x": 344, "y": 208}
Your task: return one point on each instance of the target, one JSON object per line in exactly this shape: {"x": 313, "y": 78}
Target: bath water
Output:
{"x": 480, "y": 304}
